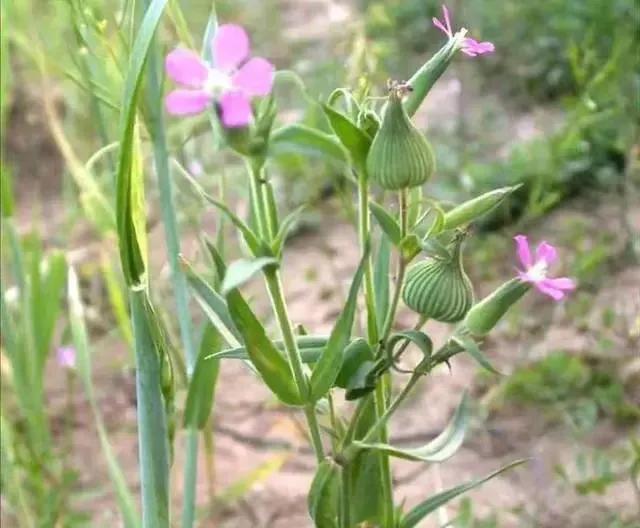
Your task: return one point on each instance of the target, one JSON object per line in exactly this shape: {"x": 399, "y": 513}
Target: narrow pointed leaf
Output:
{"x": 328, "y": 366}
{"x": 474, "y": 351}
{"x": 355, "y": 355}
{"x": 381, "y": 280}
{"x": 353, "y": 139}
{"x": 264, "y": 355}
{"x": 387, "y": 222}
{"x": 240, "y": 271}
{"x": 301, "y": 139}
{"x": 310, "y": 348}
{"x": 203, "y": 381}
{"x": 417, "y": 514}
{"x": 285, "y": 228}
{"x": 440, "y": 448}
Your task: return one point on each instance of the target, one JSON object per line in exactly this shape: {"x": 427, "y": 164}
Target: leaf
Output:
{"x": 353, "y": 139}
{"x": 245, "y": 484}
{"x": 264, "y": 355}
{"x": 440, "y": 448}
{"x": 474, "y": 351}
{"x": 387, "y": 222}
{"x": 355, "y": 355}
{"x": 328, "y": 366}
{"x": 214, "y": 306}
{"x": 303, "y": 140}
{"x": 433, "y": 248}
{"x": 285, "y": 228}
{"x": 324, "y": 495}
{"x": 420, "y": 339}
{"x": 417, "y": 514}
{"x": 310, "y": 348}
{"x": 130, "y": 211}
{"x": 203, "y": 381}
{"x": 381, "y": 280}
{"x": 240, "y": 271}
{"x": 80, "y": 337}
{"x": 52, "y": 277}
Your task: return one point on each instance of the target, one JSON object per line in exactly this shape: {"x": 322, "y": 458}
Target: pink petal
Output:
{"x": 255, "y": 77}
{"x": 440, "y": 26}
{"x": 187, "y": 102}
{"x": 546, "y": 252}
{"x": 474, "y": 48}
{"x": 236, "y": 110}
{"x": 230, "y": 47}
{"x": 186, "y": 67}
{"x": 544, "y": 287}
{"x": 445, "y": 11}
{"x": 561, "y": 283}
{"x": 524, "y": 254}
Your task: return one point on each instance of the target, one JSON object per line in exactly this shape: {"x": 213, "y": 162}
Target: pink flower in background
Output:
{"x": 66, "y": 357}
{"x": 535, "y": 270}
{"x": 231, "y": 82}
{"x": 470, "y": 46}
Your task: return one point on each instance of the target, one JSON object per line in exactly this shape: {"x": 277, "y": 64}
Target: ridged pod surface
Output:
{"x": 439, "y": 288}
{"x": 400, "y": 156}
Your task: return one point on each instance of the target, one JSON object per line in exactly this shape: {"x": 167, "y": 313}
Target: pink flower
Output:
{"x": 231, "y": 82}
{"x": 469, "y": 46}
{"x": 66, "y": 357}
{"x": 535, "y": 271}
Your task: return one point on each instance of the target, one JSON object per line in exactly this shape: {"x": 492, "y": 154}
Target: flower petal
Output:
{"x": 186, "y": 67}
{"x": 561, "y": 283}
{"x": 546, "y": 252}
{"x": 524, "y": 254}
{"x": 473, "y": 48}
{"x": 230, "y": 47}
{"x": 447, "y": 21}
{"x": 255, "y": 77}
{"x": 544, "y": 287}
{"x": 440, "y": 26}
{"x": 236, "y": 110}
{"x": 187, "y": 102}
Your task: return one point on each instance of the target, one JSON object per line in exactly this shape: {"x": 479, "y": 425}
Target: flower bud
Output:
{"x": 439, "y": 288}
{"x": 470, "y": 210}
{"x": 400, "y": 156}
{"x": 485, "y": 314}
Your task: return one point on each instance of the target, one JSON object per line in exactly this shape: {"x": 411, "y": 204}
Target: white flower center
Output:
{"x": 217, "y": 82}
{"x": 538, "y": 271}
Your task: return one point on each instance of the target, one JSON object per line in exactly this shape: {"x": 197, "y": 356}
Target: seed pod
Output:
{"x": 400, "y": 156}
{"x": 486, "y": 314}
{"x": 439, "y": 288}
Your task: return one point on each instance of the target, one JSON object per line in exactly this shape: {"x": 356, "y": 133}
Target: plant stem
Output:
{"x": 156, "y": 128}
{"x": 345, "y": 499}
{"x": 379, "y": 396}
{"x": 278, "y": 303}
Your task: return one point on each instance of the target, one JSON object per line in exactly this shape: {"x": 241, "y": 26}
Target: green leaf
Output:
{"x": 130, "y": 212}
{"x": 153, "y": 432}
{"x": 387, "y": 222}
{"x": 420, "y": 339}
{"x": 353, "y": 139}
{"x": 6, "y": 190}
{"x": 285, "y": 228}
{"x": 240, "y": 271}
{"x": 355, "y": 355}
{"x": 80, "y": 337}
{"x": 213, "y": 305}
{"x": 417, "y": 514}
{"x": 265, "y": 356}
{"x": 440, "y": 448}
{"x": 203, "y": 381}
{"x": 381, "y": 280}
{"x": 311, "y": 347}
{"x": 324, "y": 495}
{"x": 328, "y": 366}
{"x": 51, "y": 281}
{"x": 306, "y": 141}
{"x": 471, "y": 346}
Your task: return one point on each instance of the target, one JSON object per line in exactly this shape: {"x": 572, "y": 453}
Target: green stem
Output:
{"x": 278, "y": 303}
{"x": 381, "y": 390}
{"x": 156, "y": 129}
{"x": 345, "y": 499}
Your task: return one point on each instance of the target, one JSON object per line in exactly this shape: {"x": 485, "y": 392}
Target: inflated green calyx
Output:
{"x": 438, "y": 288}
{"x": 400, "y": 156}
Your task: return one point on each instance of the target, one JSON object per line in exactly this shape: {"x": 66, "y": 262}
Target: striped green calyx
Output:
{"x": 400, "y": 156}
{"x": 439, "y": 288}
